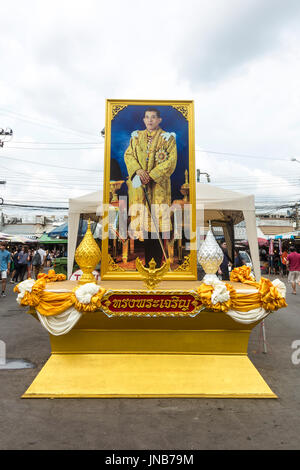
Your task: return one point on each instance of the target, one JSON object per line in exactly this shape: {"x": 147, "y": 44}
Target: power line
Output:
{"x": 35, "y": 207}
{"x": 43, "y": 123}
{"x": 57, "y": 143}
{"x": 7, "y": 157}
{"x": 54, "y": 148}
{"x": 231, "y": 154}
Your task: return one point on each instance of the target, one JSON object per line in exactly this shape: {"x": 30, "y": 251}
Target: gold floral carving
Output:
{"x": 112, "y": 266}
{"x": 186, "y": 265}
{"x": 183, "y": 110}
{"x": 116, "y": 109}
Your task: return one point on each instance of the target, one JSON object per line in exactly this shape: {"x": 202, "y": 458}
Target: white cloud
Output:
{"x": 238, "y": 60}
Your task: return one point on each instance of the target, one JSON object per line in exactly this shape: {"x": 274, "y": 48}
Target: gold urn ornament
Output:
{"x": 185, "y": 188}
{"x": 87, "y": 256}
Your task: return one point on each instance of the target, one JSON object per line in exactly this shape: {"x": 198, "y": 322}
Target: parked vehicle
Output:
{"x": 246, "y": 258}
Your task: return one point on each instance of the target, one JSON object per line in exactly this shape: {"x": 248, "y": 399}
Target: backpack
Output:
{"x": 36, "y": 260}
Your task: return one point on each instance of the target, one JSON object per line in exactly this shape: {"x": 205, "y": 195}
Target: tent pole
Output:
{"x": 73, "y": 225}
{"x": 253, "y": 245}
{"x": 264, "y": 336}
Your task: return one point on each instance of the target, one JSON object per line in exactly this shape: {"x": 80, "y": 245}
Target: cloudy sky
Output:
{"x": 237, "y": 59}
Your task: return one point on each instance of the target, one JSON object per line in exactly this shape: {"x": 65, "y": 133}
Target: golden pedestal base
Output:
{"x": 204, "y": 356}
{"x": 148, "y": 376}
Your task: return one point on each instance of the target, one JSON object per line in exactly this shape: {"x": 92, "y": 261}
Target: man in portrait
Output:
{"x": 152, "y": 155}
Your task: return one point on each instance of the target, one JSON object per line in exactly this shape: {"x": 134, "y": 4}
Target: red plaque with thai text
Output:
{"x": 147, "y": 303}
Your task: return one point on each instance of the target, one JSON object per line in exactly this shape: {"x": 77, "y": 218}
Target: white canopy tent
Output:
{"x": 220, "y": 206}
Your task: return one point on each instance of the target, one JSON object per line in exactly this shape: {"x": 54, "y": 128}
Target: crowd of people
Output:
{"x": 275, "y": 262}
{"x": 286, "y": 263}
{"x": 23, "y": 262}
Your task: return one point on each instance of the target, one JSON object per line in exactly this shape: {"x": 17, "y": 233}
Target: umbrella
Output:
{"x": 62, "y": 230}
{"x": 4, "y": 236}
{"x": 19, "y": 239}
{"x": 260, "y": 241}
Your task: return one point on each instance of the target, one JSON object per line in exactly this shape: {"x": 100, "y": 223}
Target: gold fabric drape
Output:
{"x": 267, "y": 296}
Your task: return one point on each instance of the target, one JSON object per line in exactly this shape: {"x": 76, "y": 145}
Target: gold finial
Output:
{"x": 115, "y": 186}
{"x": 185, "y": 187}
{"x": 186, "y": 175}
{"x": 87, "y": 256}
{"x": 210, "y": 256}
{"x": 152, "y": 276}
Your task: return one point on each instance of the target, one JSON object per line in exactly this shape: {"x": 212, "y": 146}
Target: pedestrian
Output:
{"x": 29, "y": 264}
{"x": 283, "y": 262}
{"x": 12, "y": 264}
{"x": 23, "y": 262}
{"x": 43, "y": 255}
{"x": 38, "y": 259}
{"x": 238, "y": 260}
{"x": 271, "y": 264}
{"x": 224, "y": 267}
{"x": 16, "y": 273}
{"x": 293, "y": 265}
{"x": 48, "y": 259}
{"x": 277, "y": 263}
{"x": 4, "y": 266}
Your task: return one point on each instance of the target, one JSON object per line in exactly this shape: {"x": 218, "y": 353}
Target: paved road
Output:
{"x": 150, "y": 423}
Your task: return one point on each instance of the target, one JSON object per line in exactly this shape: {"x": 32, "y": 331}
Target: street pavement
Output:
{"x": 162, "y": 424}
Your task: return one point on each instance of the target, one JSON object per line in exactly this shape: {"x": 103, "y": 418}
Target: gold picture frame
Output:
{"x": 123, "y": 119}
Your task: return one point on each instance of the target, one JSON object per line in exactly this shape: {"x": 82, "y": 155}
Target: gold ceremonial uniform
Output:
{"x": 155, "y": 152}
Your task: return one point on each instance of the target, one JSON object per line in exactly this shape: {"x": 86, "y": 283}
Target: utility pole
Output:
{"x": 296, "y": 216}
{"x": 5, "y": 136}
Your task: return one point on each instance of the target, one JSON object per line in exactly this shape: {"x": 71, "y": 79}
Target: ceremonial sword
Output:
{"x": 136, "y": 183}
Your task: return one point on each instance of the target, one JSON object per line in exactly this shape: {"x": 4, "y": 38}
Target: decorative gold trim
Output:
{"x": 198, "y": 307}
{"x": 187, "y": 107}
{"x": 112, "y": 266}
{"x": 185, "y": 266}
{"x": 116, "y": 109}
{"x": 183, "y": 110}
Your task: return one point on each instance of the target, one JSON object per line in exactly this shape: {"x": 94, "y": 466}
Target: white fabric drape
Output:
{"x": 63, "y": 323}
{"x": 248, "y": 317}
{"x": 60, "y": 324}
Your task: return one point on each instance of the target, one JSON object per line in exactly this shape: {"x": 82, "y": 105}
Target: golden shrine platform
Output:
{"x": 129, "y": 356}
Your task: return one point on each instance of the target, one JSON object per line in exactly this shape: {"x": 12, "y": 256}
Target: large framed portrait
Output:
{"x": 149, "y": 206}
